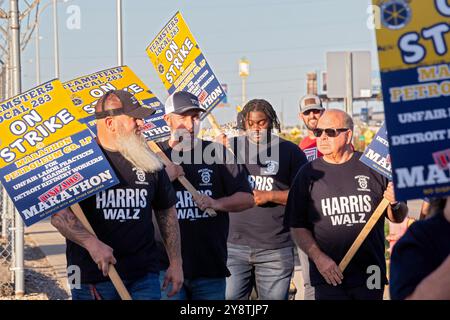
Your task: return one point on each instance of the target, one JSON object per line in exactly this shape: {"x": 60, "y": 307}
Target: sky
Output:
{"x": 282, "y": 39}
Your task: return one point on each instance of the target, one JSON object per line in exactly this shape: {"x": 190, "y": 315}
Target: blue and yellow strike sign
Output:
{"x": 49, "y": 160}
{"x": 376, "y": 155}
{"x": 86, "y": 90}
{"x": 413, "y": 42}
{"x": 181, "y": 65}
{"x": 34, "y": 119}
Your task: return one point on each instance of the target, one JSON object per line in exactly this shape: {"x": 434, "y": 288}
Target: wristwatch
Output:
{"x": 396, "y": 206}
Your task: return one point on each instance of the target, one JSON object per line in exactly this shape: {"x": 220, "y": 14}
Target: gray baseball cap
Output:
{"x": 181, "y": 101}
{"x": 310, "y": 102}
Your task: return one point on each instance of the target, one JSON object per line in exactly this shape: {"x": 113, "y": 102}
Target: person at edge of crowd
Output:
{"x": 121, "y": 216}
{"x": 260, "y": 250}
{"x": 420, "y": 261}
{"x": 397, "y": 230}
{"x": 224, "y": 187}
{"x": 311, "y": 109}
{"x": 425, "y": 209}
{"x": 329, "y": 203}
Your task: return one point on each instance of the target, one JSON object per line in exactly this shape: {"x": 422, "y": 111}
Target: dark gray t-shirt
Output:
{"x": 274, "y": 170}
{"x": 335, "y": 201}
{"x": 203, "y": 238}
{"x": 121, "y": 216}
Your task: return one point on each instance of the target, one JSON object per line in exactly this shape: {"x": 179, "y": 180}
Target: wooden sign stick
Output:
{"x": 363, "y": 234}
{"x": 214, "y": 124}
{"x": 185, "y": 182}
{"x": 112, "y": 272}
{"x": 218, "y": 130}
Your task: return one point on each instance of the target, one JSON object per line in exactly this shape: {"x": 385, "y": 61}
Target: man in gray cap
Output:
{"x": 122, "y": 215}
{"x": 310, "y": 111}
{"x": 223, "y": 187}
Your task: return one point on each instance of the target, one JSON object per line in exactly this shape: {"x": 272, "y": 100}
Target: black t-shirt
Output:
{"x": 204, "y": 238}
{"x": 335, "y": 201}
{"x": 423, "y": 248}
{"x": 121, "y": 216}
{"x": 272, "y": 167}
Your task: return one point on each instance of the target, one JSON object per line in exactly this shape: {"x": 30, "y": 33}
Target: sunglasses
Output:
{"x": 330, "y": 132}
{"x": 315, "y": 111}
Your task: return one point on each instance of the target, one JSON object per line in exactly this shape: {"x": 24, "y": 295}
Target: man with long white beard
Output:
{"x": 122, "y": 215}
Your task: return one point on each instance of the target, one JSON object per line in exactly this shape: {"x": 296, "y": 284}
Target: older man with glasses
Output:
{"x": 329, "y": 203}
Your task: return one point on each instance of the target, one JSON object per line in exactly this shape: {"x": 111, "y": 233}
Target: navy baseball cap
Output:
{"x": 130, "y": 106}
{"x": 182, "y": 101}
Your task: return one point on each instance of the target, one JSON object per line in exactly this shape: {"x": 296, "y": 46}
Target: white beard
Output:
{"x": 134, "y": 148}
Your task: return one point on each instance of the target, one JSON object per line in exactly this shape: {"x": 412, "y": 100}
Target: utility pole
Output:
{"x": 38, "y": 56}
{"x": 17, "y": 89}
{"x": 119, "y": 34}
{"x": 55, "y": 38}
{"x": 349, "y": 84}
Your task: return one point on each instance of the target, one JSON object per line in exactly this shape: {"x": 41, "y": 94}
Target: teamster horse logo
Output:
{"x": 362, "y": 182}
{"x": 271, "y": 168}
{"x": 205, "y": 175}
{"x": 140, "y": 174}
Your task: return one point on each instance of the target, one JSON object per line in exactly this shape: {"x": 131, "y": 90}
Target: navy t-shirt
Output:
{"x": 271, "y": 167}
{"x": 334, "y": 201}
{"x": 203, "y": 238}
{"x": 422, "y": 249}
{"x": 121, "y": 217}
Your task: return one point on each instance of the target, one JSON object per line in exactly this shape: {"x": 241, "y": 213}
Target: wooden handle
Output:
{"x": 112, "y": 272}
{"x": 363, "y": 234}
{"x": 214, "y": 124}
{"x": 195, "y": 194}
{"x": 218, "y": 130}
{"x": 185, "y": 182}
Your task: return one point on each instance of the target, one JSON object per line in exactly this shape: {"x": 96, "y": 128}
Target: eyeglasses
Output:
{"x": 315, "y": 111}
{"x": 330, "y": 132}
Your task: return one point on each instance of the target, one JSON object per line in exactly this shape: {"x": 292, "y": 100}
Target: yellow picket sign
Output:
{"x": 173, "y": 52}
{"x": 412, "y": 33}
{"x": 86, "y": 90}
{"x": 35, "y": 119}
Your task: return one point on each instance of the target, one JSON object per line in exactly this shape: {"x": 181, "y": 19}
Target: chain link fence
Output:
{"x": 28, "y": 16}
{"x": 6, "y": 245}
